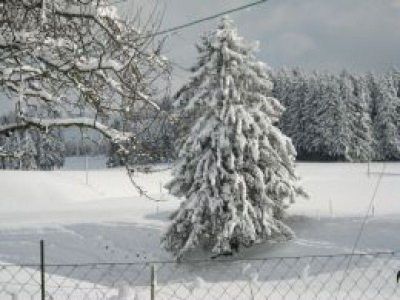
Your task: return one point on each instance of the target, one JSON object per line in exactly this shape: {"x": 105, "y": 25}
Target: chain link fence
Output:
{"x": 358, "y": 276}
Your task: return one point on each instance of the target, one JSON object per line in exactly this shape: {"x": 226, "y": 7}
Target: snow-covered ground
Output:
{"x": 107, "y": 221}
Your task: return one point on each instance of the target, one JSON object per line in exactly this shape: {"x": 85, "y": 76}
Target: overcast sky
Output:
{"x": 361, "y": 35}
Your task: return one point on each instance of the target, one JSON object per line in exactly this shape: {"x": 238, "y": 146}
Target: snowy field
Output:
{"x": 107, "y": 221}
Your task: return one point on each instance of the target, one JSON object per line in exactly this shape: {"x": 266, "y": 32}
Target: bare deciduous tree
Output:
{"x": 70, "y": 56}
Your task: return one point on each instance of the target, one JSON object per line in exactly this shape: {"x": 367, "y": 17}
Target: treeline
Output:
{"x": 345, "y": 117}
{"x": 332, "y": 117}
{"x": 31, "y": 150}
{"x": 92, "y": 146}
{"x": 329, "y": 116}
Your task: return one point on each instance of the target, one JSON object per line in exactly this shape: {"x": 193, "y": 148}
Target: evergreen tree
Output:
{"x": 335, "y": 125}
{"x": 299, "y": 109}
{"x": 12, "y": 149}
{"x": 291, "y": 88}
{"x": 28, "y": 152}
{"x": 284, "y": 86}
{"x": 386, "y": 120}
{"x": 236, "y": 169}
{"x": 373, "y": 86}
{"x": 323, "y": 136}
{"x": 51, "y": 151}
{"x": 309, "y": 137}
{"x": 340, "y": 118}
{"x": 359, "y": 147}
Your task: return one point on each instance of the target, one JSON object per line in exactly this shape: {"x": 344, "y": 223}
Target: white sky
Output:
{"x": 361, "y": 35}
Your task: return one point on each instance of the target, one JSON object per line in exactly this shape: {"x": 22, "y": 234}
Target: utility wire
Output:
{"x": 198, "y": 21}
{"x": 357, "y": 240}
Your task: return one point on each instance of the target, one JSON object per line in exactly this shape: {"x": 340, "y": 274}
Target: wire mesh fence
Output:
{"x": 358, "y": 276}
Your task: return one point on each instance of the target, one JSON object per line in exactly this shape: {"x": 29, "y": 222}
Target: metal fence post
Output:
{"x": 42, "y": 270}
{"x": 152, "y": 282}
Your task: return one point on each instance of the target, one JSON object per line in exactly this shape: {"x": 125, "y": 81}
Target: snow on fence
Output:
{"x": 358, "y": 276}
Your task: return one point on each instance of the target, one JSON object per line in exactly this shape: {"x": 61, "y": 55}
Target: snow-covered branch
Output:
{"x": 78, "y": 56}
{"x": 46, "y": 124}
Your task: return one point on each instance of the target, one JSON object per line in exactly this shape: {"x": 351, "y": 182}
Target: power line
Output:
{"x": 198, "y": 21}
{"x": 378, "y": 182}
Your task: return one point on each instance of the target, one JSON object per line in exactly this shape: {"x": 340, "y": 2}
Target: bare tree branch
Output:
{"x": 73, "y": 55}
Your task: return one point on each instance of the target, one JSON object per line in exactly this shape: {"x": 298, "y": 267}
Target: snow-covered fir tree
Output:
{"x": 291, "y": 88}
{"x": 51, "y": 151}
{"x": 309, "y": 136}
{"x": 327, "y": 117}
{"x": 236, "y": 168}
{"x": 332, "y": 119}
{"x": 359, "y": 127}
{"x": 386, "y": 120}
{"x": 296, "y": 114}
{"x": 12, "y": 149}
{"x": 28, "y": 152}
{"x": 24, "y": 149}
{"x": 324, "y": 132}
